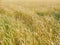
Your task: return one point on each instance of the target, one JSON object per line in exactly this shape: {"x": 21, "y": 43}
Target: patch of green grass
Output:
{"x": 40, "y": 13}
{"x": 57, "y": 15}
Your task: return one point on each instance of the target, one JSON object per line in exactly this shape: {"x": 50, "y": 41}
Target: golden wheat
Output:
{"x": 32, "y": 25}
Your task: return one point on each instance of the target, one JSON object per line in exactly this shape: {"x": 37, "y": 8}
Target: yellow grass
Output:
{"x": 30, "y": 23}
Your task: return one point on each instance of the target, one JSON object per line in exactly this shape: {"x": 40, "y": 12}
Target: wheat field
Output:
{"x": 29, "y": 22}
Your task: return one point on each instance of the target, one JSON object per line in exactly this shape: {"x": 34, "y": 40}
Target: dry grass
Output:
{"x": 29, "y": 25}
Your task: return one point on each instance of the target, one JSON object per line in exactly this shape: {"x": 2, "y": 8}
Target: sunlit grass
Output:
{"x": 29, "y": 26}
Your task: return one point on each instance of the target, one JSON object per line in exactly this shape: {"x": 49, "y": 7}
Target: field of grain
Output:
{"x": 29, "y": 22}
